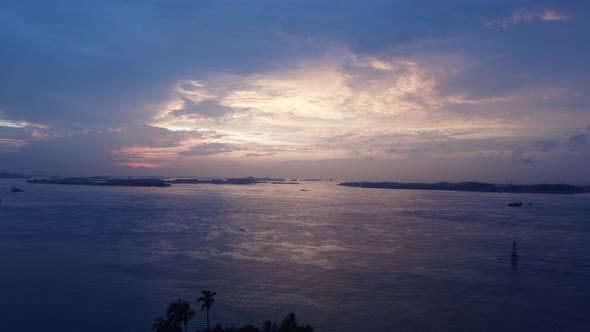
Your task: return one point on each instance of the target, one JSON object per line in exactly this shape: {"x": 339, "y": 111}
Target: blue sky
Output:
{"x": 378, "y": 90}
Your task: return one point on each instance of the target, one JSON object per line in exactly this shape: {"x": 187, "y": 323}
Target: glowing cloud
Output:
{"x": 528, "y": 16}
{"x": 338, "y": 107}
{"x": 11, "y": 145}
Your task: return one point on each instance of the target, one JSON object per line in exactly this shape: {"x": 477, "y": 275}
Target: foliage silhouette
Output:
{"x": 180, "y": 312}
{"x": 207, "y": 300}
{"x": 245, "y": 328}
{"x": 165, "y": 325}
{"x": 290, "y": 325}
{"x": 248, "y": 328}
{"x": 269, "y": 326}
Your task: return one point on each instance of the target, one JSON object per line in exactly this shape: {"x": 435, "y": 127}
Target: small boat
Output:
{"x": 16, "y": 189}
{"x": 515, "y": 204}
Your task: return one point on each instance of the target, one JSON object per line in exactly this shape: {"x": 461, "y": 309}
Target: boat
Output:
{"x": 515, "y": 204}
{"x": 16, "y": 189}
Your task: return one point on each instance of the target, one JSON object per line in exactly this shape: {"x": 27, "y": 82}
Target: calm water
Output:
{"x": 343, "y": 259}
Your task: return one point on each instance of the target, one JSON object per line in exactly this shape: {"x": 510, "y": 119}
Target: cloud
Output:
{"x": 580, "y": 139}
{"x": 256, "y": 155}
{"x": 75, "y": 73}
{"x": 529, "y": 16}
{"x": 95, "y": 151}
{"x": 150, "y": 136}
{"x": 14, "y": 124}
{"x": 11, "y": 145}
{"x": 208, "y": 108}
{"x": 208, "y": 149}
{"x": 173, "y": 85}
{"x": 548, "y": 145}
{"x": 552, "y": 15}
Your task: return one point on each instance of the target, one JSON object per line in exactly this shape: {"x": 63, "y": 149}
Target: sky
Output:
{"x": 492, "y": 91}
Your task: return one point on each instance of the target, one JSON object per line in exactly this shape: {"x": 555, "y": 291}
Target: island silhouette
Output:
{"x": 475, "y": 187}
{"x": 449, "y": 186}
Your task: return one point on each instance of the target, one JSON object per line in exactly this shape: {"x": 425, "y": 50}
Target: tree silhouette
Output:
{"x": 290, "y": 325}
{"x": 207, "y": 300}
{"x": 268, "y": 326}
{"x": 249, "y": 328}
{"x": 180, "y": 312}
{"x": 165, "y": 325}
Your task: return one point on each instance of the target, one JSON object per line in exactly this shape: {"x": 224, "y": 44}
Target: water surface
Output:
{"x": 111, "y": 258}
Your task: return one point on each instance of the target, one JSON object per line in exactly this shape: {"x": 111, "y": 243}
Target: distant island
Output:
{"x": 475, "y": 187}
{"x": 461, "y": 186}
{"x": 238, "y": 181}
{"x": 267, "y": 179}
{"x": 5, "y": 175}
{"x": 247, "y": 180}
{"x": 100, "y": 181}
{"x": 143, "y": 182}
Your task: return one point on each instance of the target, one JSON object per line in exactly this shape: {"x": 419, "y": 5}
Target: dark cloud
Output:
{"x": 208, "y": 108}
{"x": 101, "y": 63}
{"x": 208, "y": 149}
{"x": 579, "y": 140}
{"x": 150, "y": 136}
{"x": 255, "y": 155}
{"x": 400, "y": 151}
{"x": 548, "y": 145}
{"x": 490, "y": 168}
{"x": 392, "y": 150}
{"x": 91, "y": 151}
{"x": 19, "y": 133}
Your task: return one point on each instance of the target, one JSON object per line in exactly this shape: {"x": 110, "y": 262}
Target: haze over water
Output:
{"x": 342, "y": 259}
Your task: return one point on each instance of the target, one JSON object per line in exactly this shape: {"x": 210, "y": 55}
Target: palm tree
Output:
{"x": 289, "y": 324}
{"x": 207, "y": 300}
{"x": 267, "y": 327}
{"x": 164, "y": 325}
{"x": 186, "y": 314}
{"x": 180, "y": 312}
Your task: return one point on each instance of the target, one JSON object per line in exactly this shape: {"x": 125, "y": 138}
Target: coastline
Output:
{"x": 475, "y": 187}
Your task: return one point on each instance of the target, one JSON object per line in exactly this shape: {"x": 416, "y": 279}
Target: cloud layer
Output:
{"x": 379, "y": 89}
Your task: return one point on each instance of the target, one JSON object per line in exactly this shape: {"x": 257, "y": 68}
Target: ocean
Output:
{"x": 84, "y": 258}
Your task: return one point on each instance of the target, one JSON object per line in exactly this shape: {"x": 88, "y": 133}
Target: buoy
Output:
{"x": 514, "y": 256}
{"x": 514, "y": 253}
